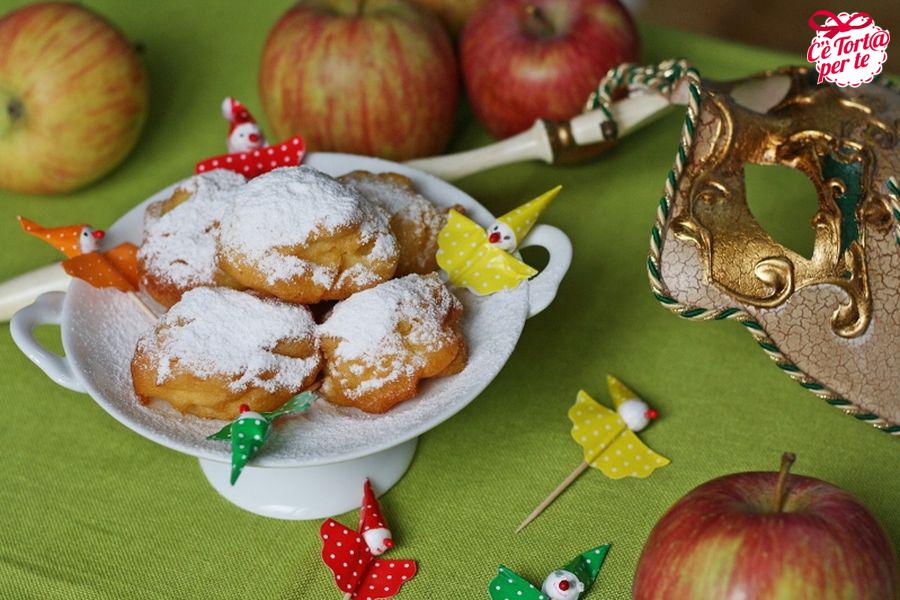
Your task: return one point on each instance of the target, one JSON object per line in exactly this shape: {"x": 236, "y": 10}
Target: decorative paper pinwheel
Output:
{"x": 250, "y": 430}
{"x": 480, "y": 259}
{"x": 71, "y": 240}
{"x": 571, "y": 582}
{"x": 351, "y": 555}
{"x": 115, "y": 268}
{"x": 248, "y": 153}
{"x": 608, "y": 439}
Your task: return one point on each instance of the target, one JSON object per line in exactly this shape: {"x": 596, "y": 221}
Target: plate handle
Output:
{"x": 543, "y": 287}
{"x": 47, "y": 309}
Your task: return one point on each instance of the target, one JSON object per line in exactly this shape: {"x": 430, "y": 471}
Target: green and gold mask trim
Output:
{"x": 831, "y": 320}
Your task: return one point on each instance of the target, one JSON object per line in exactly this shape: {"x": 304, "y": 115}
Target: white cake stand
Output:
{"x": 314, "y": 465}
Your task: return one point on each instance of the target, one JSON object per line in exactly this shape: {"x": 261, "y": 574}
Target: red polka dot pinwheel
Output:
{"x": 248, "y": 152}
{"x": 353, "y": 556}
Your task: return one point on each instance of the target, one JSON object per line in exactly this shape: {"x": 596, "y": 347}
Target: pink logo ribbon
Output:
{"x": 839, "y": 26}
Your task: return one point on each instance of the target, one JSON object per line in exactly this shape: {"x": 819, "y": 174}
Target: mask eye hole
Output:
{"x": 783, "y": 201}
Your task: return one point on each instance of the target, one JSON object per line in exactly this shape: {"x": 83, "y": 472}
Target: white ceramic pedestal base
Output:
{"x": 303, "y": 493}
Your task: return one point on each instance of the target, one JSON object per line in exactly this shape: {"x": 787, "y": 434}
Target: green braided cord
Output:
{"x": 660, "y": 77}
{"x": 894, "y": 194}
{"x": 726, "y": 314}
{"x": 663, "y": 78}
{"x": 838, "y": 402}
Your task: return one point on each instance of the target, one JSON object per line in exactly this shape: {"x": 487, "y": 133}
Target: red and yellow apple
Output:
{"x": 454, "y": 13}
{"x": 374, "y": 77}
{"x": 528, "y": 59}
{"x": 73, "y": 98}
{"x": 767, "y": 535}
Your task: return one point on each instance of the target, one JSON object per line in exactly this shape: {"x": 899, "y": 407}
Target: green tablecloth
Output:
{"x": 90, "y": 510}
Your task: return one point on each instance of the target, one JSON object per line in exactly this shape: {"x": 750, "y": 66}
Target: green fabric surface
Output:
{"x": 91, "y": 510}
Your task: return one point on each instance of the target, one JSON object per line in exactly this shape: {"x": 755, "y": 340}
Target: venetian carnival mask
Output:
{"x": 831, "y": 321}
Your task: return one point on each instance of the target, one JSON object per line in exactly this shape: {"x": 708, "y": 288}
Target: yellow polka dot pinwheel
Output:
{"x": 609, "y": 445}
{"x": 479, "y": 259}
{"x": 608, "y": 439}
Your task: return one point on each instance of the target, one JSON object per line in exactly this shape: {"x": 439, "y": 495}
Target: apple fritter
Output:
{"x": 415, "y": 220}
{"x": 178, "y": 252}
{"x": 298, "y": 234}
{"x": 219, "y": 348}
{"x": 380, "y": 343}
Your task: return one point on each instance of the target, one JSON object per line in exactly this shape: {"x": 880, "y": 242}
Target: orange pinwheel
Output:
{"x": 72, "y": 240}
{"x": 115, "y": 268}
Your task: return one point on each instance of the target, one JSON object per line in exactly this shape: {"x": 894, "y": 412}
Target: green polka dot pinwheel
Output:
{"x": 249, "y": 432}
{"x": 570, "y": 582}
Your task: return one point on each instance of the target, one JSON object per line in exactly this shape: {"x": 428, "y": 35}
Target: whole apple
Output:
{"x": 73, "y": 98}
{"x": 765, "y": 535}
{"x": 454, "y": 13}
{"x": 374, "y": 77}
{"x": 528, "y": 59}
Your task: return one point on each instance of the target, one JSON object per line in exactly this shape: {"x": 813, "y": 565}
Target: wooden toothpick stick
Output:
{"x": 553, "y": 495}
{"x": 567, "y": 482}
{"x": 143, "y": 306}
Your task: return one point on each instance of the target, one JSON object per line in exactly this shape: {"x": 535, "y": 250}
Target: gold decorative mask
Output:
{"x": 832, "y": 320}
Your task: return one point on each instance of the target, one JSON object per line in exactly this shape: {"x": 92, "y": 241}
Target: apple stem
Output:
{"x": 360, "y": 7}
{"x": 538, "y": 21}
{"x": 787, "y": 459}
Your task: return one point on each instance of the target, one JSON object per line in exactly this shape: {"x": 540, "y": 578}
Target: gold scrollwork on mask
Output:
{"x": 827, "y": 137}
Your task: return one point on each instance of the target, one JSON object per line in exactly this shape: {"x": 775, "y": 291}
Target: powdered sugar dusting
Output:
{"x": 218, "y": 331}
{"x": 101, "y": 327}
{"x": 400, "y": 201}
{"x": 180, "y": 246}
{"x": 376, "y": 229}
{"x": 293, "y": 206}
{"x": 416, "y": 221}
{"x": 368, "y": 326}
{"x": 211, "y": 182}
